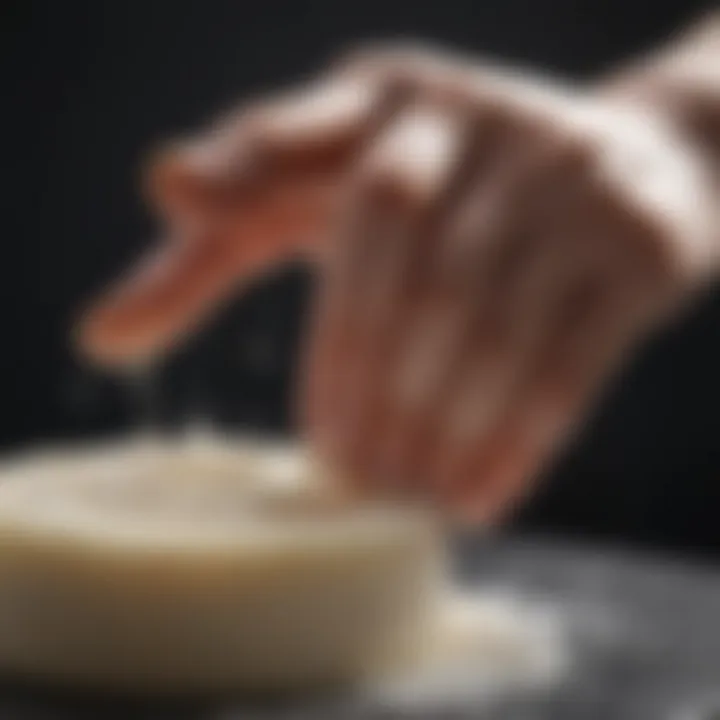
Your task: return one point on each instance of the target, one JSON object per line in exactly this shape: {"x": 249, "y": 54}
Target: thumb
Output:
{"x": 169, "y": 292}
{"x": 256, "y": 192}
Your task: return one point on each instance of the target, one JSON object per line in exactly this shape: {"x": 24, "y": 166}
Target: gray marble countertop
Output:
{"x": 646, "y": 635}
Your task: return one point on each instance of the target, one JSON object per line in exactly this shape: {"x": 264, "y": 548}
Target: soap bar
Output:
{"x": 177, "y": 565}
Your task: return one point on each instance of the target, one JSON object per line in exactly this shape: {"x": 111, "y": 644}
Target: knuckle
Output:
{"x": 413, "y": 161}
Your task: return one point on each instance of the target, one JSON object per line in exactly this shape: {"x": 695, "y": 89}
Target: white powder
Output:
{"x": 488, "y": 644}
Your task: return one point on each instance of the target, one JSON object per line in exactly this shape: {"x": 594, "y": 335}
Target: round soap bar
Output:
{"x": 203, "y": 565}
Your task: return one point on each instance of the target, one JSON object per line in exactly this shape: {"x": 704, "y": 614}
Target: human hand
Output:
{"x": 489, "y": 247}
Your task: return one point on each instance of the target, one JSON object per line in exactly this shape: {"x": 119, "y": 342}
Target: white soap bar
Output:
{"x": 203, "y": 565}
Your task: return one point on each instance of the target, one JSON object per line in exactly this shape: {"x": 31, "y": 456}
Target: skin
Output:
{"x": 490, "y": 247}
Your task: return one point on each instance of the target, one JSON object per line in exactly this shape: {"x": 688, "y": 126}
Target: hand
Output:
{"x": 489, "y": 248}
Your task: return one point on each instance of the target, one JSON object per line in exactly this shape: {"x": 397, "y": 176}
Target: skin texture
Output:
{"x": 490, "y": 247}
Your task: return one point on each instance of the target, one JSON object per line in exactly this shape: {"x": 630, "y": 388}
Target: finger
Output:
{"x": 494, "y": 484}
{"x": 439, "y": 316}
{"x": 484, "y": 478}
{"x": 505, "y": 344}
{"x": 351, "y": 275}
{"x": 609, "y": 293}
{"x": 360, "y": 231}
{"x": 472, "y": 353}
{"x": 400, "y": 185}
{"x": 589, "y": 335}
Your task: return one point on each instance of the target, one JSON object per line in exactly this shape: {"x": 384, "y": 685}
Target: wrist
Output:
{"x": 681, "y": 83}
{"x": 681, "y": 86}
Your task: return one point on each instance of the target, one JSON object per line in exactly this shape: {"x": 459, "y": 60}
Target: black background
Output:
{"x": 90, "y": 86}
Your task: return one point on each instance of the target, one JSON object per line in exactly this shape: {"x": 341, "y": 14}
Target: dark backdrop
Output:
{"x": 91, "y": 85}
